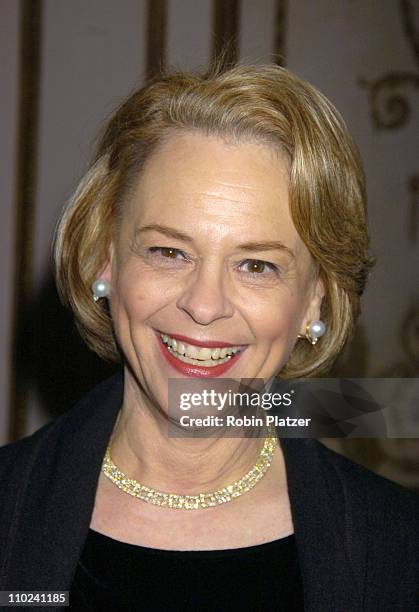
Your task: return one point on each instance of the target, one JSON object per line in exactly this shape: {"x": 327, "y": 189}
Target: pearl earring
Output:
{"x": 100, "y": 289}
{"x": 314, "y": 330}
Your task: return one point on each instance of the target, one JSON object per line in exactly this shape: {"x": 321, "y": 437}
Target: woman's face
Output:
{"x": 207, "y": 254}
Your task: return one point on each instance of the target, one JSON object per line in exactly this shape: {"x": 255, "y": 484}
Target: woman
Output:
{"x": 220, "y": 232}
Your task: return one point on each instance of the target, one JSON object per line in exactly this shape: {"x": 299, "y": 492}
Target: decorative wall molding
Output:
{"x": 156, "y": 37}
{"x": 413, "y": 188}
{"x": 391, "y": 108}
{"x": 280, "y": 32}
{"x": 26, "y": 176}
{"x": 225, "y": 30}
{"x": 389, "y": 95}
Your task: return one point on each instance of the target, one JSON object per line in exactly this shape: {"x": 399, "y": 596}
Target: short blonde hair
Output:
{"x": 263, "y": 103}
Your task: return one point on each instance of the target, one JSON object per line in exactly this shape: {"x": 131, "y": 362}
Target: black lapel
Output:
{"x": 330, "y": 528}
{"x": 54, "y": 515}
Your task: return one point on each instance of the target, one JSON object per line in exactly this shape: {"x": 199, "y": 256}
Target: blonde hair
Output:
{"x": 262, "y": 103}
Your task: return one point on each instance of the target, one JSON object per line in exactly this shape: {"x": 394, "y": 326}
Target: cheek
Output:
{"x": 276, "y": 321}
{"x": 137, "y": 297}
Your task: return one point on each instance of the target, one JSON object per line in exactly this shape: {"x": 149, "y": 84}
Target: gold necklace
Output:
{"x": 193, "y": 502}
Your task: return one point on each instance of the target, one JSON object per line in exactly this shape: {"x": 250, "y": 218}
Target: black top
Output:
{"x": 114, "y": 575}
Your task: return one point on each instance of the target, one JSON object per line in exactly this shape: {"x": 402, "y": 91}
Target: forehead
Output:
{"x": 193, "y": 163}
{"x": 217, "y": 190}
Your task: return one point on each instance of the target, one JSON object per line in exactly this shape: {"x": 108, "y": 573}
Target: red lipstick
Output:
{"x": 197, "y": 371}
{"x": 203, "y": 343}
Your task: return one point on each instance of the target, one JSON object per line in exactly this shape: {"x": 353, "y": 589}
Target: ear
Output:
{"x": 315, "y": 298}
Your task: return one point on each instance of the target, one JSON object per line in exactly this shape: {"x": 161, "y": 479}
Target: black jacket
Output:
{"x": 357, "y": 533}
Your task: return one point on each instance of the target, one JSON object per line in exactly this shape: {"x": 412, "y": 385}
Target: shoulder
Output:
{"x": 387, "y": 501}
{"x": 17, "y": 457}
{"x": 354, "y": 472}
{"x": 17, "y": 453}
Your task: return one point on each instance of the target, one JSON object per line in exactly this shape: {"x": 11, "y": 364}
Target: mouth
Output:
{"x": 209, "y": 358}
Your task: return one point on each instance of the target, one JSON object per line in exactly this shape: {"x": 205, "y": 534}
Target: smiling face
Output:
{"x": 207, "y": 253}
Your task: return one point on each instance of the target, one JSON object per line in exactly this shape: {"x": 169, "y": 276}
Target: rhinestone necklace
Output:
{"x": 193, "y": 502}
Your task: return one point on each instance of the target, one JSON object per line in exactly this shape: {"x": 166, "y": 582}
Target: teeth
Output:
{"x": 204, "y": 353}
{"x": 207, "y": 363}
{"x": 201, "y": 355}
{"x": 191, "y": 351}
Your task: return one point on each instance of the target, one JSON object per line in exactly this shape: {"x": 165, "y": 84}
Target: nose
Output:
{"x": 205, "y": 297}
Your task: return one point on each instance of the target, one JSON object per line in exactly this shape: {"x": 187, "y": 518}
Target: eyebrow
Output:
{"x": 170, "y": 232}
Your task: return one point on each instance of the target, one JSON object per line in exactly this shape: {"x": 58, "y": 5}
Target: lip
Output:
{"x": 196, "y": 371}
{"x": 203, "y": 343}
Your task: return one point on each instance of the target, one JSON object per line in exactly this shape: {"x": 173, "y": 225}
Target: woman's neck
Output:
{"x": 141, "y": 447}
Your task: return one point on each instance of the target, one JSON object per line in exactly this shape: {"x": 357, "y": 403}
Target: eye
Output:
{"x": 166, "y": 252}
{"x": 258, "y": 267}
